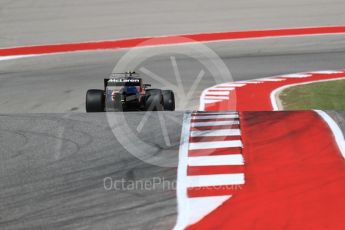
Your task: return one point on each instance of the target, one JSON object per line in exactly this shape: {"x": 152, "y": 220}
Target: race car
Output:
{"x": 126, "y": 92}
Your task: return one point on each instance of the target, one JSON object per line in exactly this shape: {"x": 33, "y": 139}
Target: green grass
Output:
{"x": 323, "y": 95}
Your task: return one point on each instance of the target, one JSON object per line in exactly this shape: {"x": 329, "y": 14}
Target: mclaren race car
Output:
{"x": 126, "y": 92}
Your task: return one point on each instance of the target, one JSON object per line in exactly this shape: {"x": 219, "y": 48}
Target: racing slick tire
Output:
{"x": 154, "y": 100}
{"x": 95, "y": 100}
{"x": 169, "y": 100}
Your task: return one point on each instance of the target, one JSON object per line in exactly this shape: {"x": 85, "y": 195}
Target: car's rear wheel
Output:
{"x": 154, "y": 100}
{"x": 95, "y": 101}
{"x": 169, "y": 100}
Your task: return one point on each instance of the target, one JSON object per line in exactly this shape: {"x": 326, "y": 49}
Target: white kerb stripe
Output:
{"x": 215, "y": 144}
{"x": 215, "y": 113}
{"x": 254, "y": 82}
{"x": 214, "y": 123}
{"x": 211, "y": 101}
{"x": 216, "y": 133}
{"x": 271, "y": 79}
{"x": 231, "y": 85}
{"x": 220, "y": 93}
{"x": 235, "y": 115}
{"x": 215, "y": 180}
{"x": 217, "y": 97}
{"x": 220, "y": 89}
{"x": 231, "y": 159}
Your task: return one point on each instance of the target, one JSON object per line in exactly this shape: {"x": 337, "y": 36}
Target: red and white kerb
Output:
{"x": 211, "y": 164}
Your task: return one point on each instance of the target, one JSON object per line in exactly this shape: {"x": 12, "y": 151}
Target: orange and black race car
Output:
{"x": 126, "y": 92}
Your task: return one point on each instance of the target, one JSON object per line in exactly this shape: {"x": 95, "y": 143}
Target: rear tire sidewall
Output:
{"x": 154, "y": 100}
{"x": 95, "y": 101}
{"x": 169, "y": 100}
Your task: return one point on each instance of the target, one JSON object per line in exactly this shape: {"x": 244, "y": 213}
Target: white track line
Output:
{"x": 232, "y": 159}
{"x": 200, "y": 207}
{"x": 183, "y": 204}
{"x": 235, "y": 115}
{"x": 6, "y": 58}
{"x": 296, "y": 75}
{"x": 216, "y": 133}
{"x": 215, "y": 144}
{"x": 326, "y": 72}
{"x": 215, "y": 180}
{"x": 338, "y": 134}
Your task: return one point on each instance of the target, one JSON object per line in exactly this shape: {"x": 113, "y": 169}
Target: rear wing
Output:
{"x": 113, "y": 80}
{"x": 120, "y": 75}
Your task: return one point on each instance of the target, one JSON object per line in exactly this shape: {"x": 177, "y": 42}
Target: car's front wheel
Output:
{"x": 95, "y": 100}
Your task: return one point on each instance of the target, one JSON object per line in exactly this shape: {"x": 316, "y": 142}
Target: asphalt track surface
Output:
{"x": 54, "y": 181}
{"x": 28, "y": 22}
{"x": 57, "y": 83}
{"x": 53, "y": 165}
